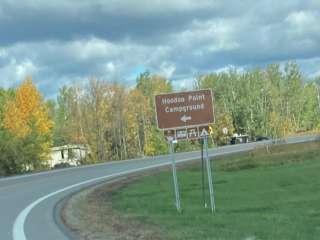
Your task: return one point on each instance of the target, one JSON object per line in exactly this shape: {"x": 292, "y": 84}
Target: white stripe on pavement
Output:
{"x": 18, "y": 227}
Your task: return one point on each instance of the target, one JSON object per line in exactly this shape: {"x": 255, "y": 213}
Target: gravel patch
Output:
{"x": 88, "y": 215}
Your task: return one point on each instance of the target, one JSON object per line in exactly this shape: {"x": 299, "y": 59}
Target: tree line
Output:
{"x": 118, "y": 123}
{"x": 270, "y": 102}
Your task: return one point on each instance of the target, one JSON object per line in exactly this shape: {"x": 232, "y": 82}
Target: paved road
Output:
{"x": 27, "y": 202}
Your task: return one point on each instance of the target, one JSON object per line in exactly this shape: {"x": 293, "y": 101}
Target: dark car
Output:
{"x": 239, "y": 139}
{"x": 262, "y": 138}
{"x": 62, "y": 165}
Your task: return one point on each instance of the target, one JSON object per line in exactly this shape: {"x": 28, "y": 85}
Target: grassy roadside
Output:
{"x": 259, "y": 195}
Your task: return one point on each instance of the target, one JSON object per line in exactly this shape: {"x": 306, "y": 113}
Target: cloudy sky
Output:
{"x": 63, "y": 42}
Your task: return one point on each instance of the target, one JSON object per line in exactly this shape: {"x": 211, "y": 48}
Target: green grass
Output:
{"x": 259, "y": 195}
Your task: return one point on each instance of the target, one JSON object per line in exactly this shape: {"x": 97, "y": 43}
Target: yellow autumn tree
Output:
{"x": 26, "y": 118}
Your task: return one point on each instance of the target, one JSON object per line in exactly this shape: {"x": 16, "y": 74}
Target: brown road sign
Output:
{"x": 180, "y": 110}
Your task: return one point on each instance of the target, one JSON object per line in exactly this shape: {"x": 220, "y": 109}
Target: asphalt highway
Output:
{"x": 27, "y": 202}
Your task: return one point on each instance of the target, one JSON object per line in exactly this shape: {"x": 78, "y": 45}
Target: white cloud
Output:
{"x": 183, "y": 83}
{"x": 302, "y": 18}
{"x": 88, "y": 49}
{"x": 228, "y": 67}
{"x": 303, "y": 23}
{"x": 315, "y": 74}
{"x": 310, "y": 67}
{"x": 109, "y": 39}
{"x": 123, "y": 7}
{"x": 3, "y": 53}
{"x": 54, "y": 62}
{"x": 25, "y": 68}
{"x": 2, "y": 14}
{"x": 213, "y": 35}
{"x": 167, "y": 69}
{"x": 110, "y": 67}
{"x": 15, "y": 71}
{"x": 156, "y": 6}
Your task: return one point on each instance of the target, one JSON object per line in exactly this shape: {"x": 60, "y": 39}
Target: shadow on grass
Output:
{"x": 253, "y": 210}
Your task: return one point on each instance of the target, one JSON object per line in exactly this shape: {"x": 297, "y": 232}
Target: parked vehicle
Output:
{"x": 62, "y": 165}
{"x": 235, "y": 139}
{"x": 262, "y": 138}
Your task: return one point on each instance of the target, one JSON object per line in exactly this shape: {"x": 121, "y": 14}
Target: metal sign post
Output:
{"x": 202, "y": 175}
{"x": 175, "y": 179}
{"x": 210, "y": 181}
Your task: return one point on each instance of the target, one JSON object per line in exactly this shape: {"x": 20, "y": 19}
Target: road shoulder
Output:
{"x": 88, "y": 214}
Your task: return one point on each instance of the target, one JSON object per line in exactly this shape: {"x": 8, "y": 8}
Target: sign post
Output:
{"x": 210, "y": 180}
{"x": 175, "y": 180}
{"x": 186, "y": 116}
{"x": 202, "y": 176}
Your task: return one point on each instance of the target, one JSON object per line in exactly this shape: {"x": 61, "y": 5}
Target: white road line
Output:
{"x": 18, "y": 227}
{"x": 308, "y": 138}
{"x": 49, "y": 172}
{"x": 53, "y": 171}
